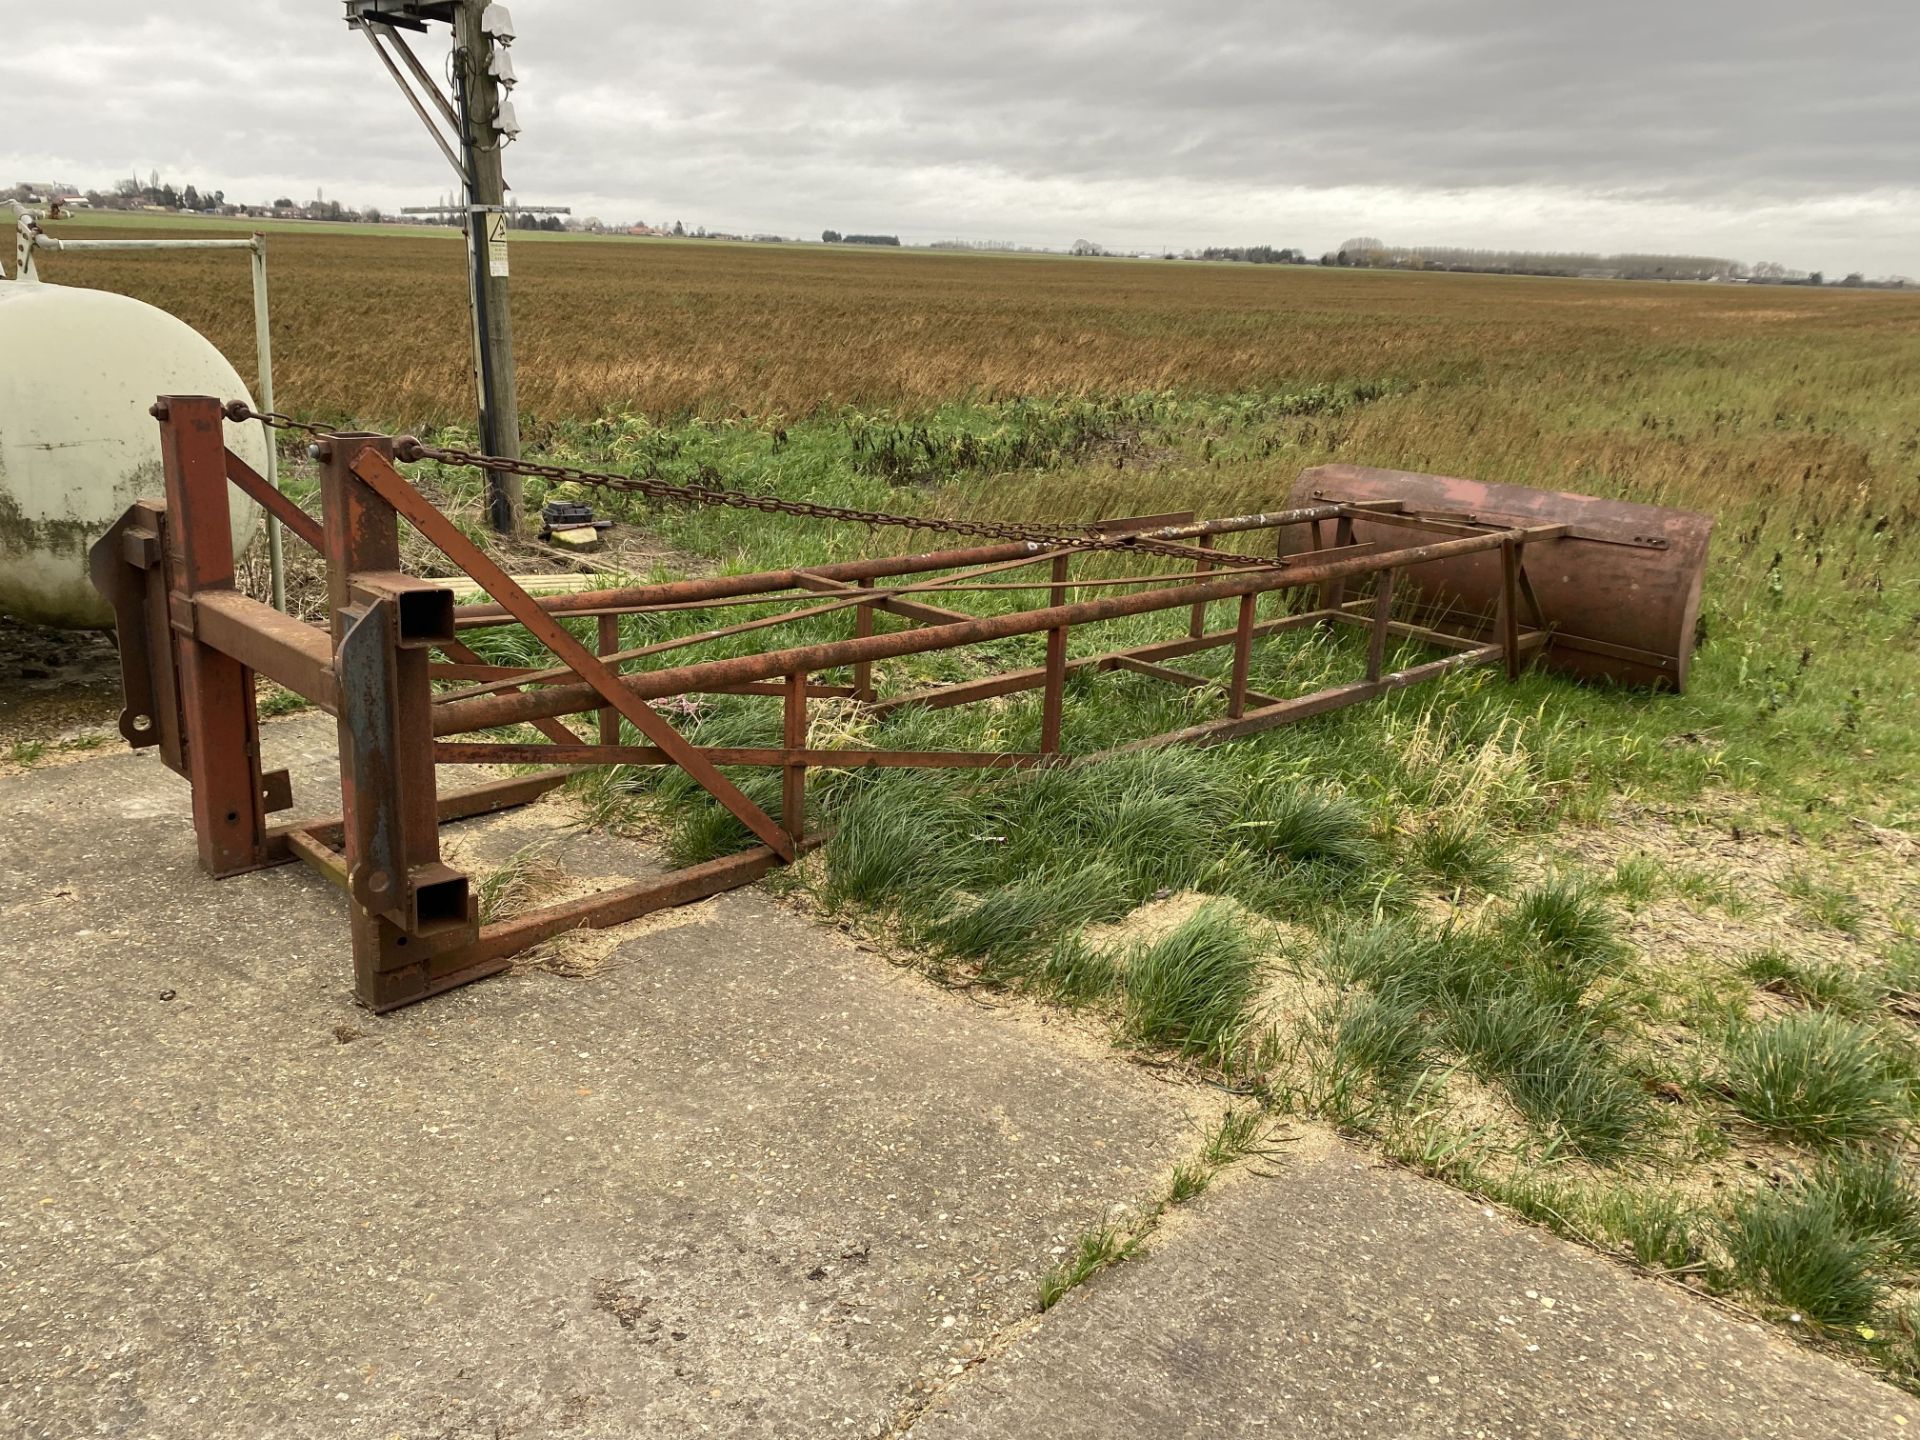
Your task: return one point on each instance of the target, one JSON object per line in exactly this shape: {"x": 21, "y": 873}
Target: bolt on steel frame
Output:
{"x": 191, "y": 645}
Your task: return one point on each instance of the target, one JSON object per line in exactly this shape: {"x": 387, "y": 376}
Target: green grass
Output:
{"x": 1639, "y": 877}
{"x": 1289, "y": 821}
{"x": 1091, "y": 1253}
{"x": 1238, "y": 1134}
{"x": 1376, "y": 1047}
{"x": 1191, "y": 989}
{"x": 277, "y": 701}
{"x": 516, "y": 882}
{"x": 1832, "y": 906}
{"x": 1556, "y": 1072}
{"x": 78, "y": 225}
{"x": 1006, "y": 926}
{"x": 1815, "y": 1078}
{"x": 1072, "y": 972}
{"x": 1459, "y": 852}
{"x": 1901, "y": 975}
{"x": 1659, "y": 1230}
{"x": 1569, "y": 928}
{"x": 1795, "y": 1249}
{"x": 1507, "y": 999}
{"x": 1872, "y": 1194}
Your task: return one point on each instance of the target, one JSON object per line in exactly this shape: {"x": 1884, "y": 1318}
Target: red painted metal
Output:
{"x": 409, "y": 911}
{"x": 220, "y": 729}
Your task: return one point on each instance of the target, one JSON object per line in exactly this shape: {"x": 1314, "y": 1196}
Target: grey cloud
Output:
{"x": 797, "y": 113}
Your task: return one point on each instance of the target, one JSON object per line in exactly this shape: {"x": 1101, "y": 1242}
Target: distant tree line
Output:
{"x": 1252, "y": 254}
{"x": 834, "y": 237}
{"x": 1367, "y": 252}
{"x": 995, "y": 247}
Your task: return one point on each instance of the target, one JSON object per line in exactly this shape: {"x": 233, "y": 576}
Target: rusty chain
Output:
{"x": 409, "y": 448}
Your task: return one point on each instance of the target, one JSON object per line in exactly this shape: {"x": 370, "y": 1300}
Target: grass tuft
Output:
{"x": 1461, "y": 853}
{"x": 1657, "y": 1228}
{"x": 1570, "y": 926}
{"x": 1073, "y": 972}
{"x": 1815, "y": 1078}
{"x": 1639, "y": 877}
{"x": 1300, "y": 824}
{"x": 516, "y": 882}
{"x": 1833, "y": 906}
{"x": 1007, "y": 925}
{"x": 1555, "y": 1073}
{"x": 1794, "y": 1248}
{"x": 1374, "y": 1050}
{"x": 1873, "y": 1196}
{"x": 887, "y": 847}
{"x": 1091, "y": 1253}
{"x": 1191, "y": 988}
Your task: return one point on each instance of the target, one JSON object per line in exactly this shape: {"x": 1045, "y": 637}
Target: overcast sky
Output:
{"x": 1761, "y": 130}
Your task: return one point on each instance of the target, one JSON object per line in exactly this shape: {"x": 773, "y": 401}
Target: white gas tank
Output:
{"x": 79, "y": 370}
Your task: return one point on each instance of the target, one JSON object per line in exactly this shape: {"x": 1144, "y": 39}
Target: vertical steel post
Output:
{"x": 1510, "y": 606}
{"x": 1053, "y": 702}
{"x": 1382, "y": 614}
{"x": 1197, "y": 626}
{"x": 608, "y": 631}
{"x": 1242, "y": 658}
{"x": 862, "y": 628}
{"x": 387, "y": 779}
{"x": 793, "y": 774}
{"x": 1333, "y": 594}
{"x": 479, "y": 106}
{"x": 222, "y": 728}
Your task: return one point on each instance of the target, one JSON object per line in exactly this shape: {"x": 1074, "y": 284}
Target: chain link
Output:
{"x": 408, "y": 448}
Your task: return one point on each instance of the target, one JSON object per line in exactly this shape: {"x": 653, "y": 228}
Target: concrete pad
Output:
{"x": 1345, "y": 1298}
{"x": 747, "y": 1181}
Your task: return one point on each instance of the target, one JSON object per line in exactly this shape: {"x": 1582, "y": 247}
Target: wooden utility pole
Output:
{"x": 470, "y": 130}
{"x": 478, "y": 98}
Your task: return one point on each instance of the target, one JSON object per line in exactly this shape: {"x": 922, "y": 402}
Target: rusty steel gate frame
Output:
{"x": 191, "y": 645}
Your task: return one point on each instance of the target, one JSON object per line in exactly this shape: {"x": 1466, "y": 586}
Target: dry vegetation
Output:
{"x": 1687, "y": 394}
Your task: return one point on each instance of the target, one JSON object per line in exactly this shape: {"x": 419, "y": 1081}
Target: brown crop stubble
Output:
{"x": 1680, "y": 394}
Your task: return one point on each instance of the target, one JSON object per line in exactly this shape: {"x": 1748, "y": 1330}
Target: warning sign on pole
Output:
{"x": 496, "y": 245}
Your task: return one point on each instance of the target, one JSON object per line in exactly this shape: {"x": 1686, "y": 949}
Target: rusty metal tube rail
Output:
{"x": 495, "y": 710}
{"x": 632, "y": 598}
{"x": 635, "y": 598}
